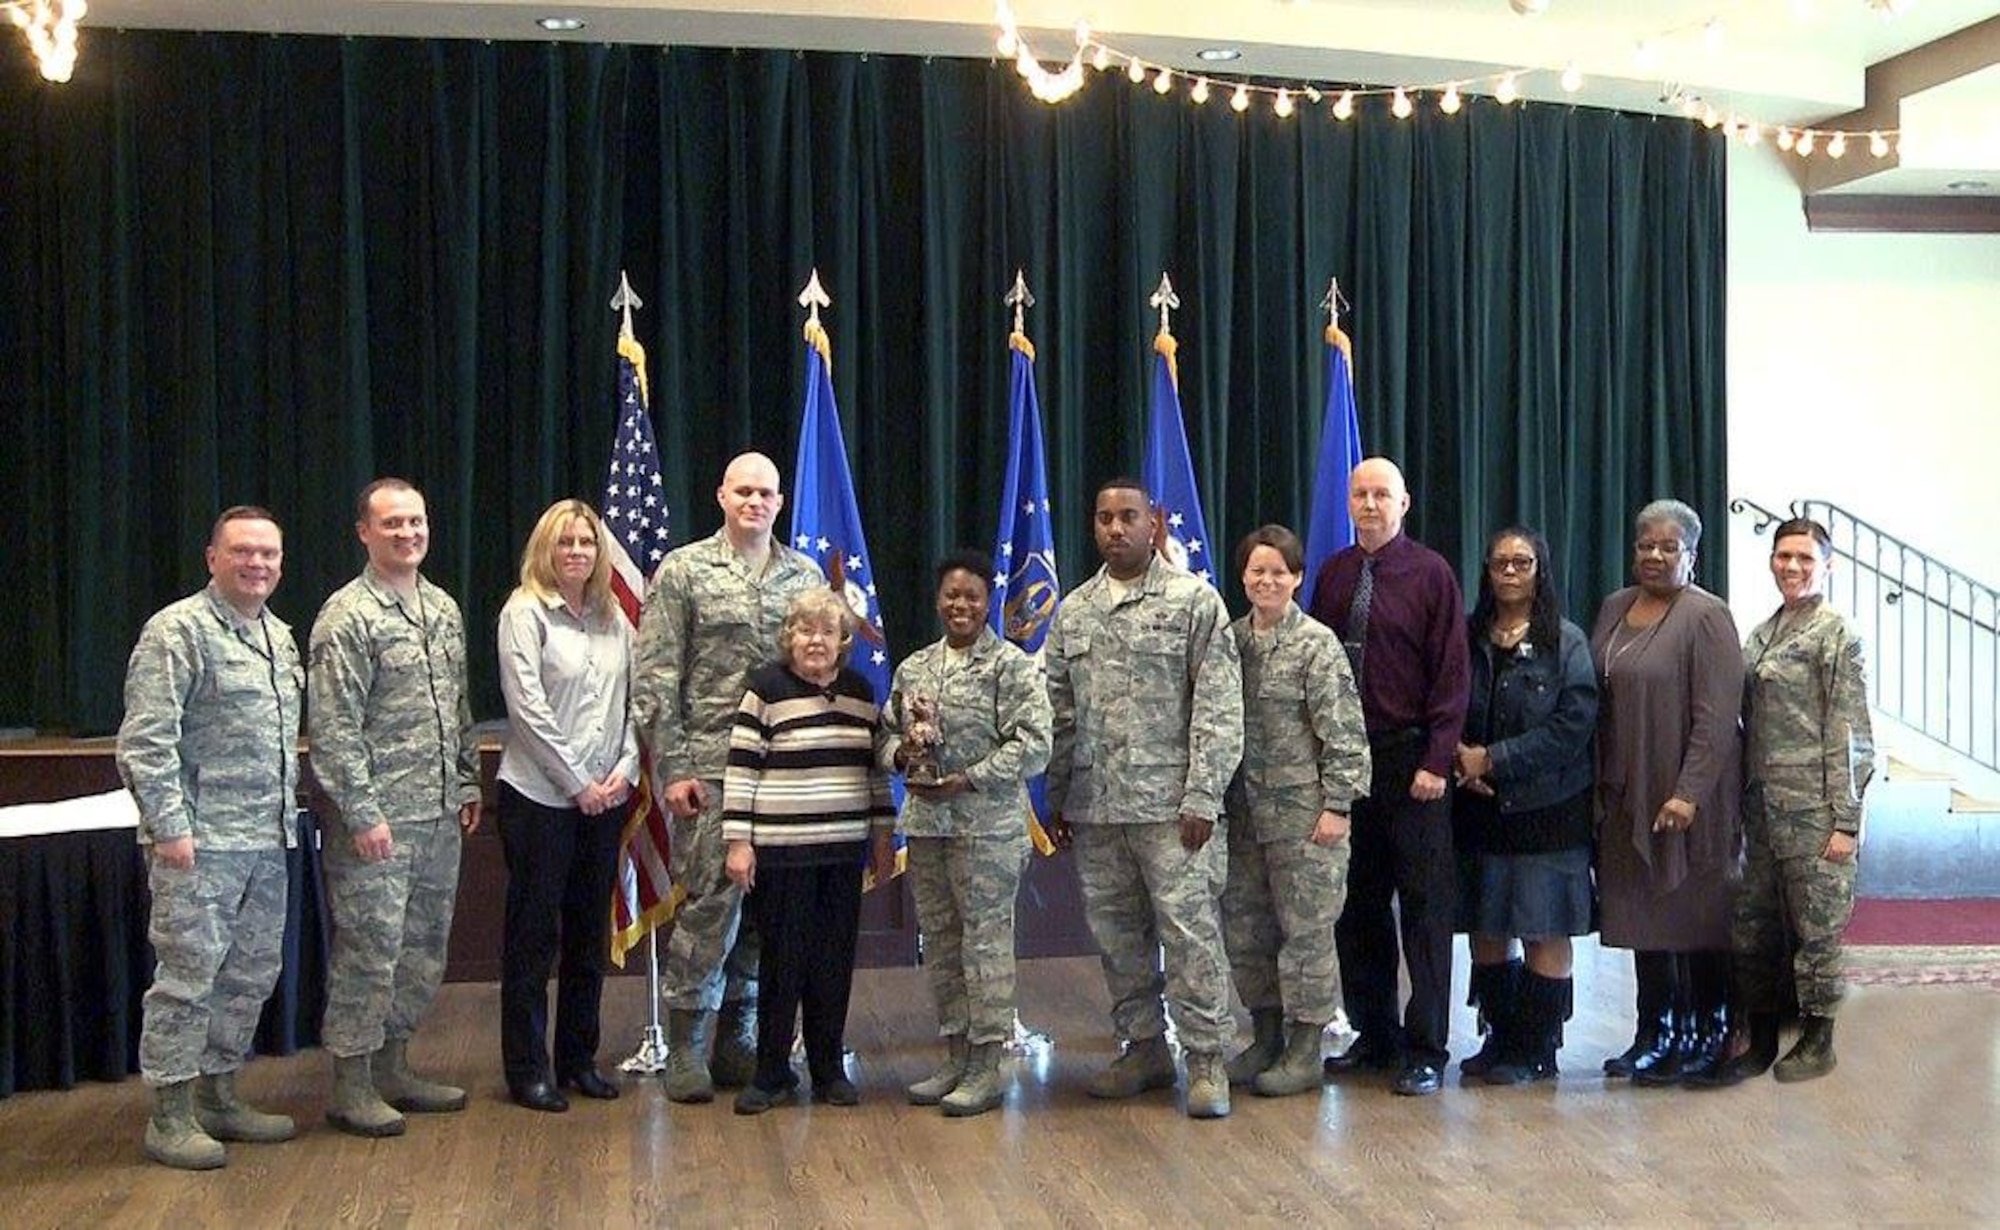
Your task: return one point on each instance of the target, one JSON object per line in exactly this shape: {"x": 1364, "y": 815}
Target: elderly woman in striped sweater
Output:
{"x": 803, "y": 799}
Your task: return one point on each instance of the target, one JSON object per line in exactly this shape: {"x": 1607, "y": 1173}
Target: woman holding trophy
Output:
{"x": 969, "y": 725}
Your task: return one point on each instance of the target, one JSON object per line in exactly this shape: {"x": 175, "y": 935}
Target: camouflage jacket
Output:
{"x": 210, "y": 741}
{"x": 1148, "y": 693}
{"x": 994, "y": 710}
{"x": 707, "y": 623}
{"x": 1809, "y": 746}
{"x": 390, "y": 721}
{"x": 1305, "y": 745}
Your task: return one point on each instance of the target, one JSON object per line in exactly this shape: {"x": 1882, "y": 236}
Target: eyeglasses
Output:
{"x": 1665, "y": 550}
{"x": 1511, "y": 563}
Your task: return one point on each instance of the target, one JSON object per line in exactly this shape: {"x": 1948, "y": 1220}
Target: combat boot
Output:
{"x": 226, "y": 1117}
{"x": 1146, "y": 1064}
{"x": 1812, "y": 1054}
{"x": 173, "y": 1135}
{"x": 1753, "y": 1062}
{"x": 357, "y": 1109}
{"x": 735, "y": 1061}
{"x": 980, "y": 1088}
{"x": 931, "y": 1090}
{"x": 1207, "y": 1085}
{"x": 1298, "y": 1069}
{"x": 405, "y": 1090}
{"x": 1267, "y": 1041}
{"x": 687, "y": 1078}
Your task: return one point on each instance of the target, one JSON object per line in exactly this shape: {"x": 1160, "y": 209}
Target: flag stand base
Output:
{"x": 1029, "y": 1043}
{"x": 651, "y": 1057}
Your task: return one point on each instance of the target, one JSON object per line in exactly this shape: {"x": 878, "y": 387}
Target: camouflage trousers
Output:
{"x": 1278, "y": 912}
{"x": 1811, "y": 899}
{"x": 1143, "y": 894}
{"x": 711, "y": 954}
{"x": 391, "y": 925}
{"x": 964, "y": 889}
{"x": 218, "y": 934}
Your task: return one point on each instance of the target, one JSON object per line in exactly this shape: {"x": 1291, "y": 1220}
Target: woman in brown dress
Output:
{"x": 1669, "y": 770}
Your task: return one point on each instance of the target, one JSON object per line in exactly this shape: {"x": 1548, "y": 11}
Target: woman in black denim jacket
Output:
{"x": 1521, "y": 817}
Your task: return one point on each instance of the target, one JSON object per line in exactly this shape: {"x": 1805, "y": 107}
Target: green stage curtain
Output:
{"x": 243, "y": 268}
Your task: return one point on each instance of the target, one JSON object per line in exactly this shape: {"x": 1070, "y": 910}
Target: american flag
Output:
{"x": 635, "y": 521}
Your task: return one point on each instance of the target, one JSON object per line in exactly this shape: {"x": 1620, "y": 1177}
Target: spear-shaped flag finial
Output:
{"x": 1166, "y": 300}
{"x": 625, "y": 300}
{"x": 1019, "y": 299}
{"x": 813, "y": 298}
{"x": 1332, "y": 304}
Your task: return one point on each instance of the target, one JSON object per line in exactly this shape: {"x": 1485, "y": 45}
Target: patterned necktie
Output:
{"x": 1357, "y": 616}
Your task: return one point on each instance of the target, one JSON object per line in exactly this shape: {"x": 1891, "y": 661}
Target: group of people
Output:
{"x": 1386, "y": 772}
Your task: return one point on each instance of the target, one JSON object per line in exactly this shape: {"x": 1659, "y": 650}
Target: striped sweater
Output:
{"x": 802, "y": 772}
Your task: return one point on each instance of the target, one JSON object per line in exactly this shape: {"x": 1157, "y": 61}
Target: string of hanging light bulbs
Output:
{"x": 1505, "y": 87}
{"x": 49, "y": 26}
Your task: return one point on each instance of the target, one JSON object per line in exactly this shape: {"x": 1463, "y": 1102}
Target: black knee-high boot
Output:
{"x": 1495, "y": 991}
{"x": 1653, "y": 973}
{"x": 1710, "y": 972}
{"x": 1678, "y": 1045}
{"x": 1544, "y": 1006}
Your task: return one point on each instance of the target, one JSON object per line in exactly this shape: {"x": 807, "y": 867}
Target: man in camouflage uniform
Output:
{"x": 712, "y": 613}
{"x": 1809, "y": 753}
{"x": 1146, "y": 689}
{"x": 968, "y": 831}
{"x": 392, "y": 745}
{"x": 1305, "y": 762}
{"x": 209, "y": 750}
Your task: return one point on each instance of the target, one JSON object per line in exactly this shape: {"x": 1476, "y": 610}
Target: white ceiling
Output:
{"x": 1786, "y": 61}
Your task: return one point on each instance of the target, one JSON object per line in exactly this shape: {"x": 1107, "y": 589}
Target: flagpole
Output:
{"x": 651, "y": 1056}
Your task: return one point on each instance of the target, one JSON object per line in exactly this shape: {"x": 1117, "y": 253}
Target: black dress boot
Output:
{"x": 1683, "y": 1035}
{"x": 1652, "y": 972}
{"x": 1495, "y": 991}
{"x": 1751, "y": 1063}
{"x": 1545, "y": 1005}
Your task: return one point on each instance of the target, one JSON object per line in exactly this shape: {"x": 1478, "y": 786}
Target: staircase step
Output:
{"x": 1903, "y": 771}
{"x": 1966, "y": 804}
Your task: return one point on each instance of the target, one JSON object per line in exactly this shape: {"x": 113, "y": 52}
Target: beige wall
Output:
{"x": 1863, "y": 369}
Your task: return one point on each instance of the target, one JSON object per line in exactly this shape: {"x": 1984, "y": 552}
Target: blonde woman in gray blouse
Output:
{"x": 569, "y": 767}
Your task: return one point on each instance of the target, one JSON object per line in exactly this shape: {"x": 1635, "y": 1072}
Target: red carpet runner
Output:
{"x": 1963, "y": 921}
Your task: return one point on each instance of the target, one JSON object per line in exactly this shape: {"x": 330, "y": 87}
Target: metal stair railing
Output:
{"x": 1933, "y": 632}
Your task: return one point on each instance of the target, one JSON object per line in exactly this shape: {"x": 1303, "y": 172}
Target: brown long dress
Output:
{"x": 1667, "y": 726}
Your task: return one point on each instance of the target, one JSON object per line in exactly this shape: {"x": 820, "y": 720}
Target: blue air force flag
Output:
{"x": 1025, "y": 587}
{"x": 1332, "y": 527}
{"x": 1169, "y": 473}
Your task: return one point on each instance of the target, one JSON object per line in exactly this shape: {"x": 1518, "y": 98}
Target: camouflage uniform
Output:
{"x": 392, "y": 743}
{"x": 209, "y": 749}
{"x": 1810, "y": 753}
{"x": 966, "y": 853}
{"x": 706, "y": 624}
{"x": 1305, "y": 750}
{"x": 1147, "y": 691}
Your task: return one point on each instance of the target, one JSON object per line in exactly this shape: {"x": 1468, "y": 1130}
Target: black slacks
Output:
{"x": 560, "y": 867}
{"x": 808, "y": 918}
{"x": 1400, "y": 849}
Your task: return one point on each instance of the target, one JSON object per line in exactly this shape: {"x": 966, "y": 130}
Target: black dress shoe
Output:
{"x": 591, "y": 1084}
{"x": 755, "y": 1099}
{"x": 1363, "y": 1056}
{"x": 540, "y": 1095}
{"x": 1419, "y": 1080}
{"x": 836, "y": 1092}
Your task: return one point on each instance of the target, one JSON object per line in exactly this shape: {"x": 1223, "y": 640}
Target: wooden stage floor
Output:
{"x": 1907, "y": 1131}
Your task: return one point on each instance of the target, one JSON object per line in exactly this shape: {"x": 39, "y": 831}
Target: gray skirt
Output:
{"x": 1527, "y": 895}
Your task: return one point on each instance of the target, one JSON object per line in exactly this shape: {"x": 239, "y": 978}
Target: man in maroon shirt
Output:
{"x": 1396, "y": 606}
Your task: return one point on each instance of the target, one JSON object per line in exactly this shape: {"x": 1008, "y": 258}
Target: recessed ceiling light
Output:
{"x": 1967, "y": 185}
{"x": 559, "y": 25}
{"x": 1218, "y": 55}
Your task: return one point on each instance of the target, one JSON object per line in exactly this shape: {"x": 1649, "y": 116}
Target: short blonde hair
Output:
{"x": 818, "y": 607}
{"x": 538, "y": 558}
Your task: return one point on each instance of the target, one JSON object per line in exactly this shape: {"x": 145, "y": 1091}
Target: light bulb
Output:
{"x": 1239, "y": 102}
{"x": 1136, "y": 70}
{"x": 1838, "y": 146}
{"x": 1572, "y": 79}
{"x": 1752, "y": 134}
{"x": 1709, "y": 116}
{"x": 1199, "y": 94}
{"x": 1343, "y": 107}
{"x": 1101, "y": 59}
{"x": 1450, "y": 103}
{"x": 1805, "y": 143}
{"x": 1878, "y": 145}
{"x": 1312, "y": 93}
{"x": 1508, "y": 92}
{"x": 1401, "y": 108}
{"x": 1283, "y": 104}
{"x": 1163, "y": 82}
